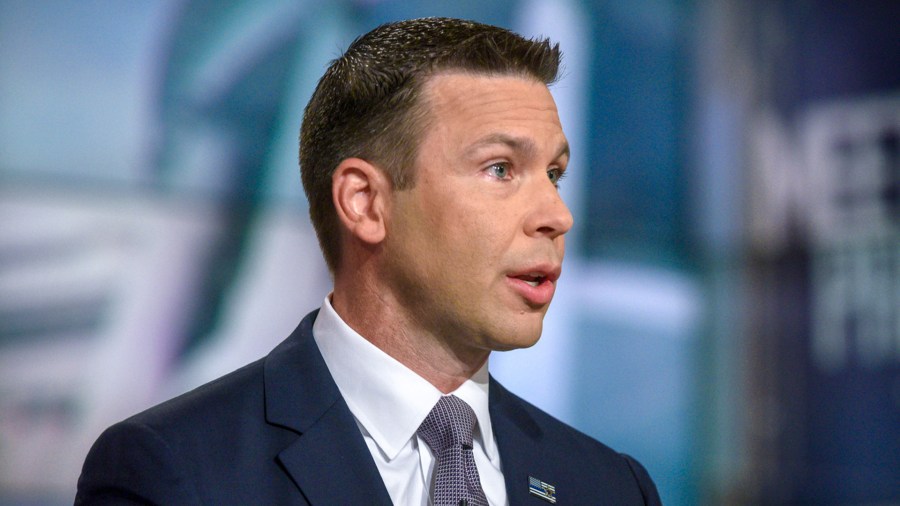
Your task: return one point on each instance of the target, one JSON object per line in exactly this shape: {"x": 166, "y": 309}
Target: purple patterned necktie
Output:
{"x": 448, "y": 431}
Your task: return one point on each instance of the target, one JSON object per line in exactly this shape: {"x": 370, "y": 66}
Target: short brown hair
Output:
{"x": 367, "y": 103}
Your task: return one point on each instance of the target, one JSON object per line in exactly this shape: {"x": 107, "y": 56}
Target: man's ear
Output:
{"x": 360, "y": 191}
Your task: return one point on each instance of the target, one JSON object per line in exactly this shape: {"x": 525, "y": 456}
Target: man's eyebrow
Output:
{"x": 523, "y": 145}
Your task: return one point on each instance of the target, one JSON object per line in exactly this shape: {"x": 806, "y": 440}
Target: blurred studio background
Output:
{"x": 728, "y": 312}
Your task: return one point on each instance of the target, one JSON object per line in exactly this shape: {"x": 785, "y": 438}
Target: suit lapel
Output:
{"x": 328, "y": 469}
{"x": 521, "y": 446}
{"x": 329, "y": 460}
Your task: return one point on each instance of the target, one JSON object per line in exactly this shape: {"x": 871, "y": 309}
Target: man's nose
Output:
{"x": 549, "y": 214}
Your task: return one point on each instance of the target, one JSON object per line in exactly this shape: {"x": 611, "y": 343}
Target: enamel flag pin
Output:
{"x": 543, "y": 490}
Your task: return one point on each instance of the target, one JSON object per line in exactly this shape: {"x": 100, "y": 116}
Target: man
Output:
{"x": 431, "y": 152}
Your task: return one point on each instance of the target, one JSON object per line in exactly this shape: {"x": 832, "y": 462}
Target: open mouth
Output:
{"x": 532, "y": 279}
{"x": 536, "y": 287}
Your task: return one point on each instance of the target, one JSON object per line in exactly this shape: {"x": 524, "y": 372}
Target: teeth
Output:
{"x": 533, "y": 279}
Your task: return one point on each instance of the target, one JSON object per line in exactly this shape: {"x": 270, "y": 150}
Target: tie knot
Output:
{"x": 450, "y": 423}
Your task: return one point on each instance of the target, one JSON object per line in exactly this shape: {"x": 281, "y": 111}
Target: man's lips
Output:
{"x": 536, "y": 285}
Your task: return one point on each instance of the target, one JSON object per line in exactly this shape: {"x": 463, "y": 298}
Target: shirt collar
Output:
{"x": 387, "y": 398}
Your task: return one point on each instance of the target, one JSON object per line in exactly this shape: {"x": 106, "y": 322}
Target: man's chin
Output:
{"x": 521, "y": 341}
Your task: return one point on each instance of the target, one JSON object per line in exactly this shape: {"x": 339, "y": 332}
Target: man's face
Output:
{"x": 474, "y": 248}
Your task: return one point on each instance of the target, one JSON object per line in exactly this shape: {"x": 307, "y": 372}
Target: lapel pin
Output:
{"x": 543, "y": 490}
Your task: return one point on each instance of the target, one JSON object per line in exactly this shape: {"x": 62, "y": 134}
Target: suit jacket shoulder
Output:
{"x": 276, "y": 431}
{"x": 534, "y": 444}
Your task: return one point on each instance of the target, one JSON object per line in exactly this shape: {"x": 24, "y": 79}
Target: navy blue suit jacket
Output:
{"x": 278, "y": 432}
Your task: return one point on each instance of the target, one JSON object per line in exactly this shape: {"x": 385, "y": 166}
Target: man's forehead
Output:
{"x": 479, "y": 103}
{"x": 458, "y": 91}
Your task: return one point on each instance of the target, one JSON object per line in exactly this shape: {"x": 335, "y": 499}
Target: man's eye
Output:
{"x": 499, "y": 170}
{"x": 555, "y": 176}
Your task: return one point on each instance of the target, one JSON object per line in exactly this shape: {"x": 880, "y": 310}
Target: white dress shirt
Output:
{"x": 390, "y": 401}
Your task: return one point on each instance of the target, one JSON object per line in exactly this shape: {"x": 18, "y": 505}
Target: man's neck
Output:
{"x": 382, "y": 321}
